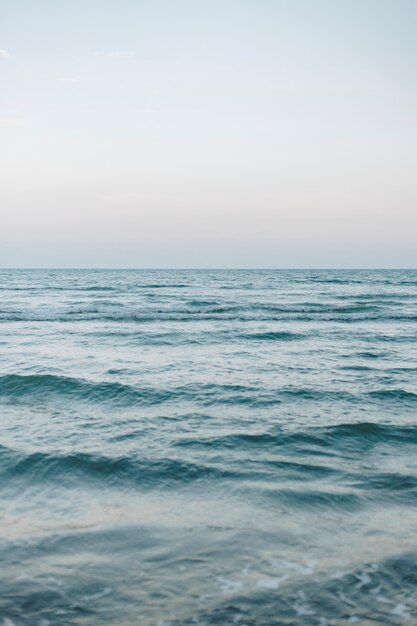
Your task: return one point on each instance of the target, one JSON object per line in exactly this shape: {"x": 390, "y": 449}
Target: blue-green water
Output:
{"x": 208, "y": 447}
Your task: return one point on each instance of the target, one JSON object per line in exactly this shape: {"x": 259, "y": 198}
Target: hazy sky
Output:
{"x": 215, "y": 133}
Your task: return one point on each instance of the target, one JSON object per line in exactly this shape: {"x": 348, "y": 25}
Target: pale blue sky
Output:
{"x": 223, "y": 133}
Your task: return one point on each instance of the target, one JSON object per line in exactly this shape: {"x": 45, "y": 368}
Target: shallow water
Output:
{"x": 208, "y": 447}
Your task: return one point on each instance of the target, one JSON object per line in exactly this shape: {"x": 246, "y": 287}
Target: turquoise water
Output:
{"x": 208, "y": 447}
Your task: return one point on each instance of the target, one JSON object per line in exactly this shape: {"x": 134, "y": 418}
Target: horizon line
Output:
{"x": 212, "y": 269}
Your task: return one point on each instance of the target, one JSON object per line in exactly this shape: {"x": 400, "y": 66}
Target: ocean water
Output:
{"x": 208, "y": 448}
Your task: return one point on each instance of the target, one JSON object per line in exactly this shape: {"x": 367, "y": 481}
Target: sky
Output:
{"x": 215, "y": 133}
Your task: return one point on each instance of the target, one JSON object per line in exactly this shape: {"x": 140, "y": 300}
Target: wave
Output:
{"x": 315, "y": 498}
{"x": 46, "y": 288}
{"x": 123, "y": 306}
{"x": 17, "y": 387}
{"x": 300, "y": 460}
{"x": 392, "y": 482}
{"x": 358, "y": 368}
{"x": 328, "y": 440}
{"x": 97, "y": 314}
{"x": 70, "y": 467}
{"x": 384, "y": 298}
{"x": 356, "y": 591}
{"x": 371, "y": 355}
{"x": 381, "y": 591}
{"x": 161, "y": 286}
{"x": 394, "y": 394}
{"x": 23, "y": 387}
{"x": 272, "y": 335}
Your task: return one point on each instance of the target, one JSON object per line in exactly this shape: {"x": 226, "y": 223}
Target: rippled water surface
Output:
{"x": 208, "y": 447}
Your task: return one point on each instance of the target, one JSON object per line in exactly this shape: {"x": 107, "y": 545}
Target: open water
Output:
{"x": 208, "y": 448}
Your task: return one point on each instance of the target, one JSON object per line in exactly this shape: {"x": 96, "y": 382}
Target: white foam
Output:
{"x": 402, "y": 611}
{"x": 301, "y": 607}
{"x": 338, "y": 575}
{"x": 271, "y": 583}
{"x": 383, "y": 600}
{"x": 343, "y": 597}
{"x": 283, "y": 563}
{"x": 246, "y": 570}
{"x": 307, "y": 568}
{"x": 99, "y": 594}
{"x": 364, "y": 579}
{"x": 206, "y": 596}
{"x": 229, "y": 586}
{"x": 24, "y": 576}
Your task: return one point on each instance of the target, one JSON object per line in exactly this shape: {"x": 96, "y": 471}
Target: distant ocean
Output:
{"x": 183, "y": 448}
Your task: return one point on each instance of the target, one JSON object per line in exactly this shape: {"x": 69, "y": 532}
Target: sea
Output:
{"x": 208, "y": 447}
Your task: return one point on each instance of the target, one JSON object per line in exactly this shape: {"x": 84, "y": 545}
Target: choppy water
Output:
{"x": 208, "y": 447}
